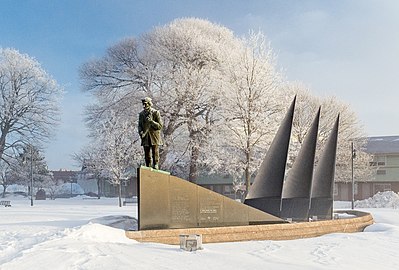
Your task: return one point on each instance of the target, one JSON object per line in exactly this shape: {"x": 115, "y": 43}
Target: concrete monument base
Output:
{"x": 287, "y": 231}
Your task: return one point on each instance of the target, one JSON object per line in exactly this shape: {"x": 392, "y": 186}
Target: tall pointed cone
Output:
{"x": 321, "y": 204}
{"x": 323, "y": 181}
{"x": 299, "y": 179}
{"x": 265, "y": 193}
{"x": 269, "y": 179}
{"x": 297, "y": 186}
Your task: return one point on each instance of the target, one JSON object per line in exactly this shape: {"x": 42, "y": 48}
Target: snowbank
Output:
{"x": 381, "y": 227}
{"x": 119, "y": 222}
{"x": 387, "y": 199}
{"x": 94, "y": 232}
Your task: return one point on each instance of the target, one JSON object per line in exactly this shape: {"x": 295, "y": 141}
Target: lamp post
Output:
{"x": 353, "y": 179}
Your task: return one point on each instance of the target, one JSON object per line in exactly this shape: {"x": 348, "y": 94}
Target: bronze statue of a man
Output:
{"x": 150, "y": 125}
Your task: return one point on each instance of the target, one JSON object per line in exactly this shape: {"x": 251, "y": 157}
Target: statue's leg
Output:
{"x": 147, "y": 155}
{"x": 155, "y": 157}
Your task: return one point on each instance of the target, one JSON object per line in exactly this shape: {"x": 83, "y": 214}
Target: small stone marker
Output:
{"x": 190, "y": 242}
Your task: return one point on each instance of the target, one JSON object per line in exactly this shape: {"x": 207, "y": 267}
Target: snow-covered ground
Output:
{"x": 88, "y": 234}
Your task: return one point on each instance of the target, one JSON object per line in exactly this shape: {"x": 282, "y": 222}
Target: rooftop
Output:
{"x": 383, "y": 145}
{"x": 65, "y": 176}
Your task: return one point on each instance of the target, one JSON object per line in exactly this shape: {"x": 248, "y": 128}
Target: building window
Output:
{"x": 382, "y": 187}
{"x": 228, "y": 189}
{"x": 381, "y": 172}
{"x": 379, "y": 161}
{"x": 218, "y": 189}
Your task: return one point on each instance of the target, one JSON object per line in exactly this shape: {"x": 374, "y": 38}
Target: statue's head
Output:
{"x": 147, "y": 103}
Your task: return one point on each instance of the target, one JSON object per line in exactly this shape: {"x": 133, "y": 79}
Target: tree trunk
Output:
{"x": 120, "y": 194}
{"x": 2, "y": 142}
{"x": 247, "y": 174}
{"x": 4, "y": 191}
{"x": 193, "y": 174}
{"x": 98, "y": 188}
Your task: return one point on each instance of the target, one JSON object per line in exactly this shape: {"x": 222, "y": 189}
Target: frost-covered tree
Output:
{"x": 220, "y": 97}
{"x": 31, "y": 161}
{"x": 5, "y": 175}
{"x": 113, "y": 153}
{"x": 28, "y": 101}
{"x": 49, "y": 184}
{"x": 117, "y": 82}
{"x": 92, "y": 164}
{"x": 349, "y": 130}
{"x": 27, "y": 163}
{"x": 190, "y": 53}
{"x": 118, "y": 153}
{"x": 252, "y": 103}
{"x": 178, "y": 66}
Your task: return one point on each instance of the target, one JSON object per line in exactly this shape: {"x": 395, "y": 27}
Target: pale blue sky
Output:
{"x": 349, "y": 49}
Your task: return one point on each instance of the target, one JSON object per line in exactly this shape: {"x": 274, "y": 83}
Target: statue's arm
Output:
{"x": 157, "y": 121}
{"x": 141, "y": 126}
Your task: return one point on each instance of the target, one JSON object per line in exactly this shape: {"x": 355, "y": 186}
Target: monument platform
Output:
{"x": 355, "y": 221}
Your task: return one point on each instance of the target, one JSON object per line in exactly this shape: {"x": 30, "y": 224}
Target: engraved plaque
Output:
{"x": 180, "y": 207}
{"x": 183, "y": 203}
{"x": 210, "y": 208}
